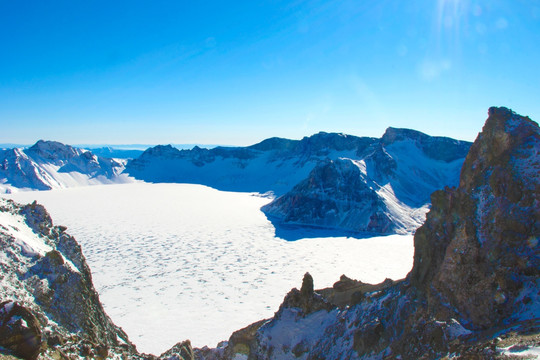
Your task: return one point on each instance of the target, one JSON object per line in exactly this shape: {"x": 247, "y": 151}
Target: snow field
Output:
{"x": 181, "y": 261}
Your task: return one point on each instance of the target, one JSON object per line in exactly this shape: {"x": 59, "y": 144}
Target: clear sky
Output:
{"x": 237, "y": 72}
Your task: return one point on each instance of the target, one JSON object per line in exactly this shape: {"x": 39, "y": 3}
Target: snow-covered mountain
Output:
{"x": 383, "y": 189}
{"x": 49, "y": 165}
{"x": 274, "y": 165}
{"x": 360, "y": 184}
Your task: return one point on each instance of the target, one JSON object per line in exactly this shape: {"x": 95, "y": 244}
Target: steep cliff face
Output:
{"x": 479, "y": 248}
{"x": 337, "y": 194}
{"x": 473, "y": 292}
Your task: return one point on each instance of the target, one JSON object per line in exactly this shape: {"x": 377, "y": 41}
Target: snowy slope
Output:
{"x": 51, "y": 165}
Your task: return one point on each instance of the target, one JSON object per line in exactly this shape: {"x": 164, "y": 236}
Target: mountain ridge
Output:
{"x": 398, "y": 198}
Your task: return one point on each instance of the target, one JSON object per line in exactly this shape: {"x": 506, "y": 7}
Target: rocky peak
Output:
{"x": 392, "y": 135}
{"x": 507, "y": 142}
{"x": 53, "y": 150}
{"x": 325, "y": 142}
{"x": 478, "y": 249}
{"x": 166, "y": 151}
{"x": 305, "y": 299}
{"x": 275, "y": 143}
{"x": 436, "y": 147}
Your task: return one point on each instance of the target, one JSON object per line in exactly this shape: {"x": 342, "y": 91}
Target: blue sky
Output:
{"x": 222, "y": 72}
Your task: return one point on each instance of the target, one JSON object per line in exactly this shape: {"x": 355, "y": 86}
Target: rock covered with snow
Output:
{"x": 49, "y": 307}
{"x": 384, "y": 189}
{"x": 49, "y": 165}
{"x": 473, "y": 292}
{"x": 45, "y": 273}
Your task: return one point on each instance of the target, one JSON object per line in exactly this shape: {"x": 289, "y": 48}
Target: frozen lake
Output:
{"x": 178, "y": 261}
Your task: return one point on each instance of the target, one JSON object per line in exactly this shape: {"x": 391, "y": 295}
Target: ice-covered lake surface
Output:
{"x": 180, "y": 261}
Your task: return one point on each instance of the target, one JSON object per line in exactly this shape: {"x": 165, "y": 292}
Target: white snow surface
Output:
{"x": 31, "y": 244}
{"x": 179, "y": 261}
{"x": 528, "y": 352}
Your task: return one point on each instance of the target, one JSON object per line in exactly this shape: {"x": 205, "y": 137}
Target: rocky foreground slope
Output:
{"x": 48, "y": 305}
{"x": 473, "y": 292}
{"x": 46, "y": 291}
{"x": 50, "y": 165}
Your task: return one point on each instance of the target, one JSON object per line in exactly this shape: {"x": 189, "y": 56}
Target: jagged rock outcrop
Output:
{"x": 474, "y": 290}
{"x": 49, "y": 308}
{"x": 45, "y": 273}
{"x": 49, "y": 164}
{"x": 180, "y": 351}
{"x": 305, "y": 299}
{"x": 486, "y": 263}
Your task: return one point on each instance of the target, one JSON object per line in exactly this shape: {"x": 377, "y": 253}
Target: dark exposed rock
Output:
{"x": 474, "y": 250}
{"x": 305, "y": 299}
{"x": 307, "y": 285}
{"x": 180, "y": 351}
{"x": 239, "y": 342}
{"x": 20, "y": 331}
